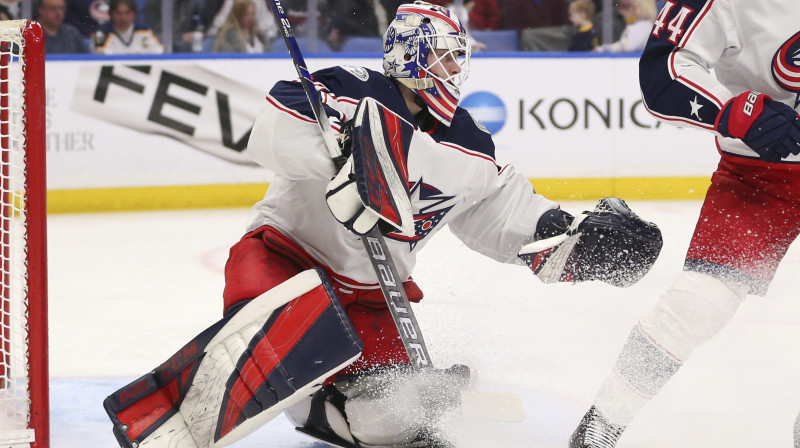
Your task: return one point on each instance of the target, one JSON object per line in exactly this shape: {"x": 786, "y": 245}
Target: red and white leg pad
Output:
{"x": 241, "y": 372}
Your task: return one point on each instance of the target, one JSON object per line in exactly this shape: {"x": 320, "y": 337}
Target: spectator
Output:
{"x": 264, "y": 21}
{"x": 210, "y": 10}
{"x": 617, "y": 23}
{"x": 124, "y": 34}
{"x": 183, "y": 25}
{"x": 239, "y": 34}
{"x": 640, "y": 15}
{"x": 59, "y": 37}
{"x": 543, "y": 24}
{"x": 463, "y": 14}
{"x": 87, "y": 15}
{"x": 581, "y": 13}
{"x": 483, "y": 15}
{"x": 351, "y": 18}
{"x": 524, "y": 14}
{"x": 297, "y": 13}
{"x": 9, "y": 10}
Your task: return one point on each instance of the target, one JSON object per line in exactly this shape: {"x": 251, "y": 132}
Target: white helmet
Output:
{"x": 418, "y": 29}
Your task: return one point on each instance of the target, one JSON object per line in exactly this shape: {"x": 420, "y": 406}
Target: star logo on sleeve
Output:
{"x": 696, "y": 108}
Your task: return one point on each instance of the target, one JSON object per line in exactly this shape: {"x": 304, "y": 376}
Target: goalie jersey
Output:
{"x": 692, "y": 37}
{"x": 452, "y": 180}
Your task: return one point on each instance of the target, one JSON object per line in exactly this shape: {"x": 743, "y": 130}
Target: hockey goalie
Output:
{"x": 306, "y": 330}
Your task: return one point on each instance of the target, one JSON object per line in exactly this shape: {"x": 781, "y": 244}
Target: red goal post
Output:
{"x": 24, "y": 402}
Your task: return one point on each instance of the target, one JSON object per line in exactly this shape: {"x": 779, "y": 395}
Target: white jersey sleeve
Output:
{"x": 701, "y": 53}
{"x": 505, "y": 220}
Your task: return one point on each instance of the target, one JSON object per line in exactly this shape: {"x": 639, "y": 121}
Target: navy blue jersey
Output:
{"x": 350, "y": 84}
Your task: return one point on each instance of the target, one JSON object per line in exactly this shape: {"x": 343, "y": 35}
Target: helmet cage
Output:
{"x": 437, "y": 49}
{"x": 422, "y": 40}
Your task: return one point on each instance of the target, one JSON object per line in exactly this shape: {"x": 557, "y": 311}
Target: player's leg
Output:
{"x": 241, "y": 372}
{"x": 797, "y": 432}
{"x": 379, "y": 400}
{"x": 735, "y": 249}
{"x": 266, "y": 354}
{"x": 391, "y": 406}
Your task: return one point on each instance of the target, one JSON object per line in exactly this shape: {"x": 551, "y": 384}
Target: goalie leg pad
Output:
{"x": 241, "y": 372}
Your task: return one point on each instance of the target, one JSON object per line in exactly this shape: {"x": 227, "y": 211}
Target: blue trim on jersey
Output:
{"x": 463, "y": 131}
{"x": 664, "y": 95}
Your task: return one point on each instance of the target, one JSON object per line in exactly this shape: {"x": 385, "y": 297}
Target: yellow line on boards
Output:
{"x": 631, "y": 188}
{"x": 245, "y": 195}
{"x": 154, "y": 198}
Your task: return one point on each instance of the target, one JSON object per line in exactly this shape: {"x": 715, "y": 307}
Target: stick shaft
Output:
{"x": 374, "y": 242}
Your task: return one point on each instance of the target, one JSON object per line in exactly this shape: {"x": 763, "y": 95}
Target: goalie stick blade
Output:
{"x": 325, "y": 438}
{"x": 491, "y": 407}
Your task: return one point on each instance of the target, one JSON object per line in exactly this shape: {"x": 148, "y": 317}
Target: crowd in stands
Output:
{"x": 247, "y": 26}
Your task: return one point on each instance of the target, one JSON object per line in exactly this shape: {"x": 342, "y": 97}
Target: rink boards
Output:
{"x": 160, "y": 133}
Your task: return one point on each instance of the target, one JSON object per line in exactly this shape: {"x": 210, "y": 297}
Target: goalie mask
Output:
{"x": 424, "y": 38}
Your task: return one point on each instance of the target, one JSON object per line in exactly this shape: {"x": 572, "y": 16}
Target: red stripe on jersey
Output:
{"x": 709, "y": 126}
{"x": 298, "y": 316}
{"x": 282, "y": 108}
{"x": 696, "y": 22}
{"x": 469, "y": 152}
{"x": 345, "y": 99}
{"x": 698, "y": 88}
{"x": 671, "y": 64}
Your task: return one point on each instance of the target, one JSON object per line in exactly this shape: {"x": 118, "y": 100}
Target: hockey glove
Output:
{"x": 768, "y": 127}
{"x": 345, "y": 203}
{"x": 611, "y": 244}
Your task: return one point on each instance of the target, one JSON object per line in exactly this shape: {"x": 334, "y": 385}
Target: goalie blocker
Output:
{"x": 611, "y": 244}
{"x": 241, "y": 372}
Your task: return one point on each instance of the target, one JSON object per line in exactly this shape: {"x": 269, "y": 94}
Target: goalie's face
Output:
{"x": 446, "y": 65}
{"x": 426, "y": 49}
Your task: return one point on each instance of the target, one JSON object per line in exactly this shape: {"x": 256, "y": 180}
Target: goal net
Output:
{"x": 23, "y": 289}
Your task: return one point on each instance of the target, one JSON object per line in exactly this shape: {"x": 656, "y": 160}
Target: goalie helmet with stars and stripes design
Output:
{"x": 418, "y": 29}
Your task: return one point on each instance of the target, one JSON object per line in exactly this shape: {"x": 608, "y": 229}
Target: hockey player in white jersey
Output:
{"x": 306, "y": 328}
{"x": 751, "y": 213}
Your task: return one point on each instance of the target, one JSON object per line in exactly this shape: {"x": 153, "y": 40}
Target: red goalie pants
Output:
{"x": 750, "y": 216}
{"x": 266, "y": 258}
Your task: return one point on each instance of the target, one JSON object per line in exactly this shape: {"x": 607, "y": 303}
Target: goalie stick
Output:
{"x": 374, "y": 243}
{"x": 476, "y": 406}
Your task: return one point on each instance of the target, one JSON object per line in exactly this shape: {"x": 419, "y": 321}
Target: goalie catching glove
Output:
{"x": 611, "y": 244}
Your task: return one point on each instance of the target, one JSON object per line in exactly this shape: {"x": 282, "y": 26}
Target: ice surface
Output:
{"x": 128, "y": 289}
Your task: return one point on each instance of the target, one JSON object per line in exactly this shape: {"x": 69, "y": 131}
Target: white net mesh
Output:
{"x": 14, "y": 375}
